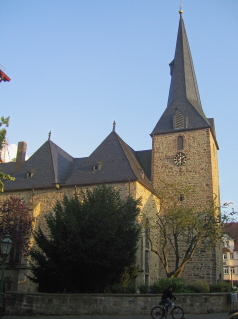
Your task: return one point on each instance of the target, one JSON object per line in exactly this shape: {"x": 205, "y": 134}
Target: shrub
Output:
{"x": 143, "y": 289}
{"x": 160, "y": 285}
{"x": 221, "y": 286}
{"x": 119, "y": 289}
{"x": 200, "y": 286}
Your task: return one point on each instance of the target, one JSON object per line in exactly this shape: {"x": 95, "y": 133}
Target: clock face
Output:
{"x": 180, "y": 159}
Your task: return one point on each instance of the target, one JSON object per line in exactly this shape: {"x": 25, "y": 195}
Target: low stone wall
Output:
{"x": 116, "y": 304}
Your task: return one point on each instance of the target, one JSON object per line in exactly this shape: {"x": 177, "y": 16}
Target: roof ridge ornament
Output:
{"x": 180, "y": 8}
{"x": 49, "y": 135}
{"x": 114, "y": 126}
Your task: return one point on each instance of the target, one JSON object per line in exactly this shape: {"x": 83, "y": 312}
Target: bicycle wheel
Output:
{"x": 157, "y": 312}
{"x": 177, "y": 313}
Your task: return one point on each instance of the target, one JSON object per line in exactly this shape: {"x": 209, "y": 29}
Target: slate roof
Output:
{"x": 113, "y": 161}
{"x": 232, "y": 230}
{"x": 46, "y": 167}
{"x": 183, "y": 94}
{"x": 145, "y": 158}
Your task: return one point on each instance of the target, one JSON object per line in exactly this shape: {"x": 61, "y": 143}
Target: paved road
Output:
{"x": 201, "y": 316}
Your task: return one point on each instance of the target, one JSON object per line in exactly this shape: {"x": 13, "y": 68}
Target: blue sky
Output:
{"x": 78, "y": 65}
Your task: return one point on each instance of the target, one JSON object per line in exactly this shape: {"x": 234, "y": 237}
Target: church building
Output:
{"x": 184, "y": 150}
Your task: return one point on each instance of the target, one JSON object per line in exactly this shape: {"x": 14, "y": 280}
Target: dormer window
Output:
{"x": 29, "y": 174}
{"x": 179, "y": 120}
{"x": 97, "y": 167}
{"x": 171, "y": 65}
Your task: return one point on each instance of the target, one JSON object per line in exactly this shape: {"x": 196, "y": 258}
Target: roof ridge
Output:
{"x": 125, "y": 144}
{"x": 142, "y": 176}
{"x": 54, "y": 163}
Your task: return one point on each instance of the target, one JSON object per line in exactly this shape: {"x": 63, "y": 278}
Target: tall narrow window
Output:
{"x": 180, "y": 143}
{"x": 147, "y": 261}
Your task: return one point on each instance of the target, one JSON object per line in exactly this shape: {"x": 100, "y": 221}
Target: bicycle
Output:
{"x": 159, "y": 312}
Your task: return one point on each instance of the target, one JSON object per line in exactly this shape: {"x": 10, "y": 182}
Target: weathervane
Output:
{"x": 180, "y": 7}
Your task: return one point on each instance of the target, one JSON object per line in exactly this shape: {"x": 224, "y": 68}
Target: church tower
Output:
{"x": 184, "y": 147}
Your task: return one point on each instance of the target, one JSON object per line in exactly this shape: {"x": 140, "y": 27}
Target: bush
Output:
{"x": 160, "y": 285}
{"x": 143, "y": 289}
{"x": 221, "y": 286}
{"x": 119, "y": 289}
{"x": 200, "y": 286}
{"x": 180, "y": 286}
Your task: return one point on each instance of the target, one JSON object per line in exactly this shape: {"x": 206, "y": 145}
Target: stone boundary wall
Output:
{"x": 113, "y": 304}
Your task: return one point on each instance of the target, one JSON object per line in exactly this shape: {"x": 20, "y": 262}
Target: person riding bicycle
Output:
{"x": 166, "y": 297}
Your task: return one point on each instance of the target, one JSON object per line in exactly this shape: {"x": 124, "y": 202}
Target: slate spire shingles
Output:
{"x": 183, "y": 93}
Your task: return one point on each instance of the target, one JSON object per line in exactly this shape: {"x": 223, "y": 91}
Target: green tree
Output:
{"x": 90, "y": 241}
{"x": 182, "y": 227}
{"x": 4, "y": 121}
{"x": 16, "y": 220}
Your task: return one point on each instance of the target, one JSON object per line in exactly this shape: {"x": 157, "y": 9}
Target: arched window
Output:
{"x": 180, "y": 143}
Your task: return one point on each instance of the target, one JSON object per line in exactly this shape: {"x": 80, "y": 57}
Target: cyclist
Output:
{"x": 166, "y": 297}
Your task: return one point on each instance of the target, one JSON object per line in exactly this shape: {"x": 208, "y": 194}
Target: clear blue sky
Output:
{"x": 78, "y": 65}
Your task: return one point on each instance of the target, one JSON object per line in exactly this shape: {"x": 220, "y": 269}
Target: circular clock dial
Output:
{"x": 180, "y": 159}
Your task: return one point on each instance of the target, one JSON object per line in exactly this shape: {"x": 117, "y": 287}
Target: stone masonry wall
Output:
{"x": 104, "y": 304}
{"x": 42, "y": 202}
{"x": 149, "y": 208}
{"x": 200, "y": 172}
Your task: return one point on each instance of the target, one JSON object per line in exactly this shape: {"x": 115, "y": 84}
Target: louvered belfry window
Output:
{"x": 180, "y": 143}
{"x": 178, "y": 120}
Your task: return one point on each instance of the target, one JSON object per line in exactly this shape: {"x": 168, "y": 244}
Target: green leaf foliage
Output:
{"x": 91, "y": 239}
{"x": 185, "y": 227}
{"x": 161, "y": 284}
{"x": 17, "y": 221}
{"x": 4, "y": 121}
{"x": 5, "y": 177}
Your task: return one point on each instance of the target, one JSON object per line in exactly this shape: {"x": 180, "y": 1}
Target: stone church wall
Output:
{"x": 147, "y": 261}
{"x": 42, "y": 201}
{"x": 200, "y": 172}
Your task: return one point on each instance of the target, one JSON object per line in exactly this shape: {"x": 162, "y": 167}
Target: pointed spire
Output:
{"x": 183, "y": 81}
{"x": 184, "y": 99}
